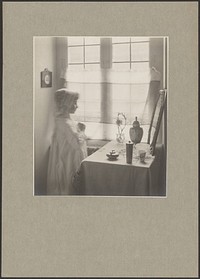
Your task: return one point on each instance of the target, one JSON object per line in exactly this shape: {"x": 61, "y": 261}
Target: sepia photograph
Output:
{"x": 100, "y": 139}
{"x": 100, "y": 115}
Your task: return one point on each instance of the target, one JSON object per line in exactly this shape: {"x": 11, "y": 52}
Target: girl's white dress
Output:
{"x": 64, "y": 159}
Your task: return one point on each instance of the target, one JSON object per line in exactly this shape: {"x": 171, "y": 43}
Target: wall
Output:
{"x": 45, "y": 57}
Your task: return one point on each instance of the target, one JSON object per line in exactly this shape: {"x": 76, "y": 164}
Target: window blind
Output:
{"x": 126, "y": 81}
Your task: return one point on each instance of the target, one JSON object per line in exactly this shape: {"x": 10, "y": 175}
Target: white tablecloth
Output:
{"x": 99, "y": 176}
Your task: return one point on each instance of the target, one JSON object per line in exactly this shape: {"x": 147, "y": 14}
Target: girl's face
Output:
{"x": 74, "y": 107}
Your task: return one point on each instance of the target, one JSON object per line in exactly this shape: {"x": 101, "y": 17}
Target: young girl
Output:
{"x": 66, "y": 152}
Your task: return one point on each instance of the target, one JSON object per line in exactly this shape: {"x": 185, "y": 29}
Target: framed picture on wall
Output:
{"x": 46, "y": 78}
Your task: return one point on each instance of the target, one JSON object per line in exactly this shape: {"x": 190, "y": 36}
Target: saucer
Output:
{"x": 112, "y": 158}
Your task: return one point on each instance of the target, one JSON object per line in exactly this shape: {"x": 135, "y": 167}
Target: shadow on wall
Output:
{"x": 41, "y": 177}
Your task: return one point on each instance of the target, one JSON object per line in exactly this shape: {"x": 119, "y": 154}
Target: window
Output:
{"x": 120, "y": 87}
{"x": 130, "y": 54}
{"x": 84, "y": 55}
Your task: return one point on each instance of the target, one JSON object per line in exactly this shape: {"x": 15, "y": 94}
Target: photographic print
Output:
{"x": 101, "y": 129}
{"x": 100, "y": 166}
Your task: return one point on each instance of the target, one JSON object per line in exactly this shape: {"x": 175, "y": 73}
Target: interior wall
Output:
{"x": 44, "y": 57}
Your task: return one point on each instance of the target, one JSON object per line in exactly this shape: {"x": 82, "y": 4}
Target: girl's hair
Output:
{"x": 64, "y": 100}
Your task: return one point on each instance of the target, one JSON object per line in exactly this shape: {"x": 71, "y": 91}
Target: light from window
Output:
{"x": 77, "y": 87}
{"x": 75, "y": 54}
{"x": 140, "y": 67}
{"x": 121, "y": 39}
{"x": 92, "y": 109}
{"x": 139, "y": 92}
{"x": 121, "y": 107}
{"x": 129, "y": 54}
{"x": 136, "y": 110}
{"x": 121, "y": 66}
{"x": 140, "y": 52}
{"x": 121, "y": 92}
{"x": 92, "y": 66}
{"x": 92, "y": 92}
{"x": 139, "y": 39}
{"x": 121, "y": 53}
{"x": 92, "y": 40}
{"x": 84, "y": 52}
{"x": 75, "y": 67}
{"x": 92, "y": 102}
{"x": 74, "y": 41}
{"x": 121, "y": 100}
{"x": 138, "y": 97}
{"x": 92, "y": 54}
{"x": 81, "y": 109}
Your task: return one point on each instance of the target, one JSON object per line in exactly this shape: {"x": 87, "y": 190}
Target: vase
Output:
{"x": 120, "y": 138}
{"x": 136, "y": 132}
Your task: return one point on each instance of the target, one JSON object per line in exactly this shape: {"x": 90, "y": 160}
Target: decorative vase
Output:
{"x": 136, "y": 132}
{"x": 120, "y": 138}
{"x": 121, "y": 124}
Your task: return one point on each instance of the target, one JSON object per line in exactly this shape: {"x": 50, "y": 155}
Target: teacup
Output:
{"x": 143, "y": 146}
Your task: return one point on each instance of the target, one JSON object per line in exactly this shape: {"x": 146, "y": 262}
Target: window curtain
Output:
{"x": 152, "y": 97}
{"x": 61, "y": 61}
{"x": 105, "y": 92}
